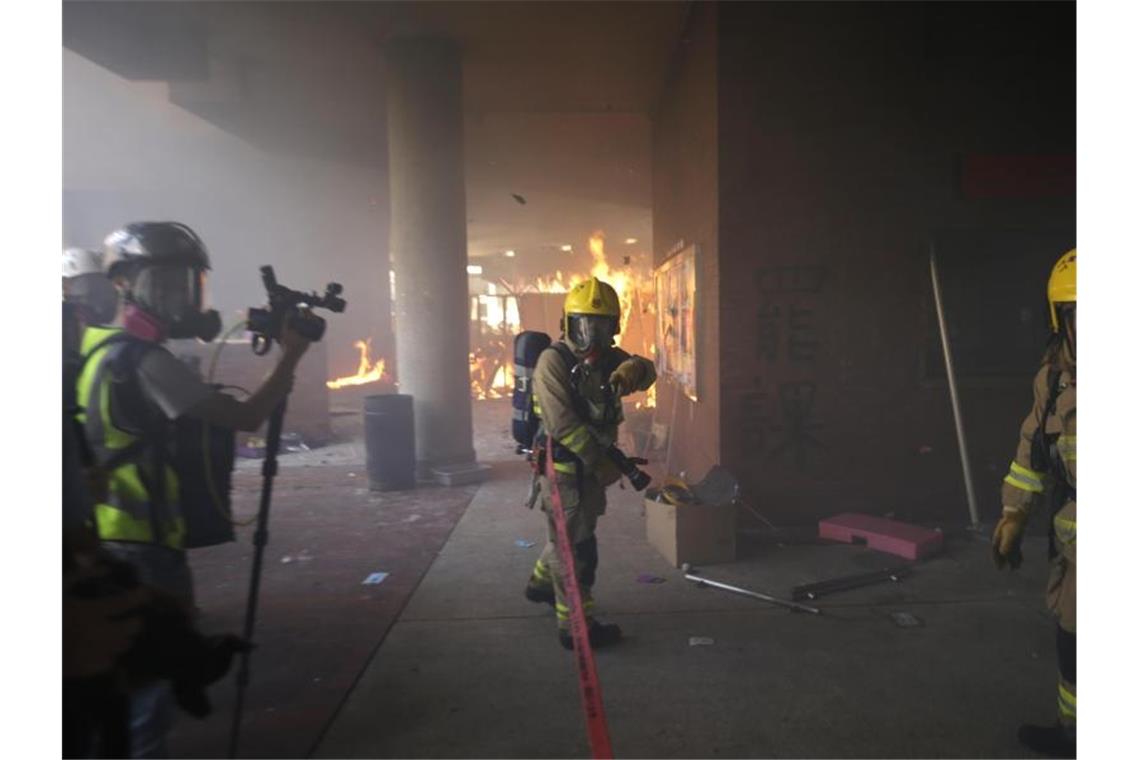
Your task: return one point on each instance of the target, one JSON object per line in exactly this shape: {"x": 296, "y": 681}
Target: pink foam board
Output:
{"x": 881, "y": 534}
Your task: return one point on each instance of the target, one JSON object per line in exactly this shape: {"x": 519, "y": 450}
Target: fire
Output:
{"x": 620, "y": 279}
{"x": 366, "y": 371}
{"x": 500, "y": 384}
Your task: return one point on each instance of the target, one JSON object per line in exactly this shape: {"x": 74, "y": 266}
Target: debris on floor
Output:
{"x": 374, "y": 579}
{"x": 649, "y": 578}
{"x": 253, "y": 448}
{"x": 890, "y": 536}
{"x": 701, "y": 641}
{"x": 906, "y": 620}
{"x": 523, "y": 543}
{"x": 847, "y": 582}
{"x": 292, "y": 443}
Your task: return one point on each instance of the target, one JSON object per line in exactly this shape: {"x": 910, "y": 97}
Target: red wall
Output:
{"x": 685, "y": 190}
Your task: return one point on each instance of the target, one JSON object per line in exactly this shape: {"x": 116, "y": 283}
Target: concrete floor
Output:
{"x": 446, "y": 658}
{"x": 471, "y": 669}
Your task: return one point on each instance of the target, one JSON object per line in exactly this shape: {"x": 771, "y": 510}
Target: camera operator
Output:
{"x": 130, "y": 390}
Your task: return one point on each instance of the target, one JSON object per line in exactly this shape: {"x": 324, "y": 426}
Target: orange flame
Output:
{"x": 366, "y": 371}
{"x": 501, "y": 384}
{"x": 619, "y": 279}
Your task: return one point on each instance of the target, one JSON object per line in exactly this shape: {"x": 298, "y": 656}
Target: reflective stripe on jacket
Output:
{"x": 128, "y": 514}
{"x": 1024, "y": 487}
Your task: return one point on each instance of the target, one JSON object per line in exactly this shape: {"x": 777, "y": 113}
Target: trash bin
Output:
{"x": 390, "y": 442}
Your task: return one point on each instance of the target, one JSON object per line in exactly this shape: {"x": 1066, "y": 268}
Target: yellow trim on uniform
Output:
{"x": 1025, "y": 478}
{"x": 1067, "y": 447}
{"x": 1066, "y": 530}
{"x": 541, "y": 571}
{"x": 1066, "y": 701}
{"x": 570, "y": 468}
{"x": 577, "y": 439}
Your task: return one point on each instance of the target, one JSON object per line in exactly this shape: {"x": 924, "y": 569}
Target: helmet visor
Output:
{"x": 169, "y": 291}
{"x": 591, "y": 331}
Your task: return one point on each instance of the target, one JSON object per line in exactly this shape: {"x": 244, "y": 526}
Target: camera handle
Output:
{"x": 260, "y": 539}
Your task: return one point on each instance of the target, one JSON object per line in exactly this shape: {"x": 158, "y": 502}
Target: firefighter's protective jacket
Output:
{"x": 586, "y": 425}
{"x": 1028, "y": 481}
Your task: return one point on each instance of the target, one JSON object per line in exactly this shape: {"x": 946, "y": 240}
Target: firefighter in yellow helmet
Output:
{"x": 578, "y": 383}
{"x": 1045, "y": 472}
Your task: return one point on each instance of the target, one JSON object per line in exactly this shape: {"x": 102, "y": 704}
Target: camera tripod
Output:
{"x": 260, "y": 539}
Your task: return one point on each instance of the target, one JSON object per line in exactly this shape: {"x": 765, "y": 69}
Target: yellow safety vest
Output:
{"x": 129, "y": 513}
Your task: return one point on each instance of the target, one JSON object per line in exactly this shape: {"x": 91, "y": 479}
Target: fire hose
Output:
{"x": 597, "y": 729}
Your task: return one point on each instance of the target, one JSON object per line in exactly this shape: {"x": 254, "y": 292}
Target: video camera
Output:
{"x": 285, "y": 304}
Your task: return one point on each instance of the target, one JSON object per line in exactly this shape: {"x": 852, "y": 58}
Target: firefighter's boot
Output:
{"x": 601, "y": 635}
{"x": 538, "y": 593}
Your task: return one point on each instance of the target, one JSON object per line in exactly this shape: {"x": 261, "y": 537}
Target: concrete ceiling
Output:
{"x": 558, "y": 95}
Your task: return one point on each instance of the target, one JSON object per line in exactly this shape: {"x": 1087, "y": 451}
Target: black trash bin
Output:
{"x": 390, "y": 440}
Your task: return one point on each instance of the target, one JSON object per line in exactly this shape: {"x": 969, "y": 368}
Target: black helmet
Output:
{"x": 144, "y": 243}
{"x": 164, "y": 262}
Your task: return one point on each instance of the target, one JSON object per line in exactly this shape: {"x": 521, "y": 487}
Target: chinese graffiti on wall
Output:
{"x": 782, "y": 422}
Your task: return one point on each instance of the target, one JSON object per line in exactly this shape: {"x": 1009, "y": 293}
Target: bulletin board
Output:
{"x": 675, "y": 283}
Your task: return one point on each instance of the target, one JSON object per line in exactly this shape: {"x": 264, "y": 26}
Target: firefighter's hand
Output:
{"x": 625, "y": 378}
{"x": 1006, "y": 542}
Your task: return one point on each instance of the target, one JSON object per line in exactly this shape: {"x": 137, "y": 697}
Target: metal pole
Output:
{"x": 754, "y": 594}
{"x": 260, "y": 539}
{"x": 951, "y": 380}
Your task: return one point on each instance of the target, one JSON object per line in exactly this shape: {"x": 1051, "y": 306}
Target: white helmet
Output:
{"x": 79, "y": 261}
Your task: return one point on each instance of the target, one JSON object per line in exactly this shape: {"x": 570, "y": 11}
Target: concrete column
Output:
{"x": 428, "y": 242}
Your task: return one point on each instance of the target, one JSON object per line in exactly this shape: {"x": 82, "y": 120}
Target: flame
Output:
{"x": 619, "y": 279}
{"x": 501, "y": 384}
{"x": 366, "y": 371}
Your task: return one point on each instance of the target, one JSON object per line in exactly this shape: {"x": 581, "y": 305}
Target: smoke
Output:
{"x": 131, "y": 155}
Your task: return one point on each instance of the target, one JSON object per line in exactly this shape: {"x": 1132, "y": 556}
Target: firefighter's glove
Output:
{"x": 1006, "y": 541}
{"x": 608, "y": 472}
{"x": 625, "y": 379}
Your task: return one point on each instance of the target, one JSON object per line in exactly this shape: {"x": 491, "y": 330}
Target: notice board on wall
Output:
{"x": 675, "y": 283}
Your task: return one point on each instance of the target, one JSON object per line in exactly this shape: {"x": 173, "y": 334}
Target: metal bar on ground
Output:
{"x": 847, "y": 582}
{"x": 754, "y": 594}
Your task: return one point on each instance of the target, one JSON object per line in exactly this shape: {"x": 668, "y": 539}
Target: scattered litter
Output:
{"x": 292, "y": 443}
{"x": 701, "y": 641}
{"x": 253, "y": 448}
{"x": 412, "y": 518}
{"x": 906, "y": 620}
{"x": 286, "y": 560}
{"x": 523, "y": 543}
{"x": 374, "y": 579}
{"x": 352, "y": 474}
{"x": 649, "y": 578}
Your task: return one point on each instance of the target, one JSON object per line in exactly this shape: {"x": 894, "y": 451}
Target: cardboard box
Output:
{"x": 700, "y": 534}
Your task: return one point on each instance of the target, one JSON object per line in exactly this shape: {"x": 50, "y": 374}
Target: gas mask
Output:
{"x": 591, "y": 333}
{"x": 173, "y": 294}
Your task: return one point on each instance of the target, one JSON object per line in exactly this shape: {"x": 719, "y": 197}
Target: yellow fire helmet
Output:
{"x": 592, "y": 297}
{"x": 1062, "y": 285}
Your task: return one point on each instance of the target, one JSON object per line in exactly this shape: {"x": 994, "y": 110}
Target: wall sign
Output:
{"x": 675, "y": 282}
